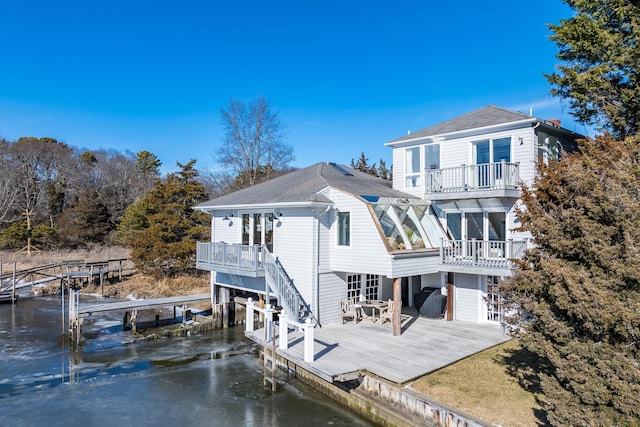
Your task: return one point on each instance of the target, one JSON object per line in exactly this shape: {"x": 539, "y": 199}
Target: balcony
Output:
{"x": 237, "y": 259}
{"x": 492, "y": 257}
{"x": 473, "y": 181}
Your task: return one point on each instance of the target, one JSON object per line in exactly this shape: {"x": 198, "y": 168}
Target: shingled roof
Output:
{"x": 487, "y": 116}
{"x": 303, "y": 186}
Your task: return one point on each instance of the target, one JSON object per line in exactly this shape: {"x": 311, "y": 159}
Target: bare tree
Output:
{"x": 254, "y": 143}
{"x": 9, "y": 191}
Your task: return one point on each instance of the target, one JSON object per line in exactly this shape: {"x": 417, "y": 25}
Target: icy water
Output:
{"x": 208, "y": 379}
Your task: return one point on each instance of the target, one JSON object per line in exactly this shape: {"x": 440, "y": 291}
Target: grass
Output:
{"x": 37, "y": 258}
{"x": 497, "y": 386}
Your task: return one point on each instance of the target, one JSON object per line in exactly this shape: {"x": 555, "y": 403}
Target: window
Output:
{"x": 371, "y": 287}
{"x": 408, "y": 227}
{"x": 495, "y": 312}
{"x": 492, "y": 151}
{"x": 353, "y": 287}
{"x": 432, "y": 156}
{"x": 454, "y": 225}
{"x": 548, "y": 148}
{"x": 344, "y": 232}
{"x": 412, "y": 167}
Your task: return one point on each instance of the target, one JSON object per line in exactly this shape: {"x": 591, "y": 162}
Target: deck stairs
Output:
{"x": 284, "y": 289}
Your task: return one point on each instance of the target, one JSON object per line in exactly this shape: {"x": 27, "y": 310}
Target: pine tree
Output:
{"x": 600, "y": 70}
{"x": 164, "y": 245}
{"x": 578, "y": 291}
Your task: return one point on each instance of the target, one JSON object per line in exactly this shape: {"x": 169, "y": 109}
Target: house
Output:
{"x": 314, "y": 237}
{"x": 319, "y": 235}
{"x": 470, "y": 169}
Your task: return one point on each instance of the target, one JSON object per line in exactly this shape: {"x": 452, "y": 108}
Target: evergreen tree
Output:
{"x": 86, "y": 222}
{"x": 578, "y": 290}
{"x": 362, "y": 164}
{"x": 164, "y": 245}
{"x": 600, "y": 70}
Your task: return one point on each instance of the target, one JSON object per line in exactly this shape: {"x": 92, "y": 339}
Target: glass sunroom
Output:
{"x": 407, "y": 224}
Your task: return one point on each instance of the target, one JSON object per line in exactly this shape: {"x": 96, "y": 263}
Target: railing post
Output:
{"x": 308, "y": 328}
{"x": 268, "y": 323}
{"x": 442, "y": 250}
{"x": 463, "y": 178}
{"x": 508, "y": 250}
{"x": 283, "y": 338}
{"x": 474, "y": 251}
{"x": 249, "y": 314}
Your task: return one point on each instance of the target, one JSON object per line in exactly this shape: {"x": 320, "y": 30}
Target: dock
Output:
{"x": 88, "y": 310}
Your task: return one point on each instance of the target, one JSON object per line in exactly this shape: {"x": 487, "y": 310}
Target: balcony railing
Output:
{"x": 482, "y": 253}
{"x": 488, "y": 176}
{"x": 229, "y": 256}
{"x": 255, "y": 261}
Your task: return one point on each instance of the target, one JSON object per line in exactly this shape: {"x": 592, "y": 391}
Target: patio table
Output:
{"x": 373, "y": 305}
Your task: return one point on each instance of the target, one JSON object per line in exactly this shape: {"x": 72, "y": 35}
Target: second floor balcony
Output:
{"x": 238, "y": 259}
{"x": 500, "y": 179}
{"x": 492, "y": 257}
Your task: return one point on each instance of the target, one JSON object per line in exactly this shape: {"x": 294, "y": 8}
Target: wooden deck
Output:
{"x": 344, "y": 352}
{"x": 87, "y": 310}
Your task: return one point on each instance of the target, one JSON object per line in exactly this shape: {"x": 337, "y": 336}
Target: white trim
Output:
{"x": 440, "y": 137}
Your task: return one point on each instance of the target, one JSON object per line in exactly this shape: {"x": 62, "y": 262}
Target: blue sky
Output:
{"x": 345, "y": 76}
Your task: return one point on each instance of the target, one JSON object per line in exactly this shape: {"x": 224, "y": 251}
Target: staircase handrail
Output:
{"x": 282, "y": 285}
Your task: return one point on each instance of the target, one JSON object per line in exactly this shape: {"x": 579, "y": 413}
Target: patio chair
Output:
{"x": 387, "y": 312}
{"x": 348, "y": 311}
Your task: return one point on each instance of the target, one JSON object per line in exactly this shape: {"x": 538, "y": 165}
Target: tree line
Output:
{"x": 61, "y": 196}
{"x": 55, "y": 196}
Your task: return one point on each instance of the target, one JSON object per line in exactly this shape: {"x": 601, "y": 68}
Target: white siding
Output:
{"x": 468, "y": 298}
{"x": 367, "y": 252}
{"x": 332, "y": 289}
{"x": 225, "y": 230}
{"x": 425, "y": 264}
{"x": 295, "y": 244}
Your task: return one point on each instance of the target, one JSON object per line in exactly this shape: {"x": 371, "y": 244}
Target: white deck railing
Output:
{"x": 482, "y": 253}
{"x": 488, "y": 176}
{"x": 242, "y": 257}
{"x": 254, "y": 258}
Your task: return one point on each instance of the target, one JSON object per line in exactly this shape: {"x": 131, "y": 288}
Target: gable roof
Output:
{"x": 303, "y": 187}
{"x": 484, "y": 117}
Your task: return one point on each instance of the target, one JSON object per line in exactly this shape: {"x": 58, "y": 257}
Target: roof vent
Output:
{"x": 341, "y": 169}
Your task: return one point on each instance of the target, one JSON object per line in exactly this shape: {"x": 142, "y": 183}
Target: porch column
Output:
{"x": 451, "y": 289}
{"x": 397, "y": 306}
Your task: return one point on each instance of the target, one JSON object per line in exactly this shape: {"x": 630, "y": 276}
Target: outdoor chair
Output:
{"x": 387, "y": 312}
{"x": 348, "y": 311}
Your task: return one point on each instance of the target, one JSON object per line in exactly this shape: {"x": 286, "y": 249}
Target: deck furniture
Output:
{"x": 387, "y": 312}
{"x": 373, "y": 306}
{"x": 348, "y": 310}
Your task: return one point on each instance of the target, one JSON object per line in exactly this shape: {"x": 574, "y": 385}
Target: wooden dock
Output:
{"x": 68, "y": 271}
{"x": 88, "y": 310}
{"x": 346, "y": 352}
